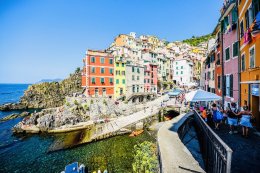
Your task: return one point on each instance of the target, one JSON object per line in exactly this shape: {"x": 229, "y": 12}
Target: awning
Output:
{"x": 201, "y": 95}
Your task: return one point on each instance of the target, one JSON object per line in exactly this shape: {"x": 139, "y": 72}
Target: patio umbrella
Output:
{"x": 201, "y": 95}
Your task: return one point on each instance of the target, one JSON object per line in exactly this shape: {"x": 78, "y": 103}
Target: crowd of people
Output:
{"x": 215, "y": 114}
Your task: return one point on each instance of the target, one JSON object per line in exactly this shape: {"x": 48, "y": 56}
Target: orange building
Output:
{"x": 98, "y": 74}
{"x": 250, "y": 55}
{"x": 218, "y": 63}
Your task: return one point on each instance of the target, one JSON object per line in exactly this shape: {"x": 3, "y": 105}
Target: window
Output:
{"x": 123, "y": 64}
{"x": 256, "y": 7}
{"x": 123, "y": 73}
{"x": 117, "y": 81}
{"x": 123, "y": 81}
{"x": 176, "y": 68}
{"x": 133, "y": 88}
{"x": 181, "y": 72}
{"x": 102, "y": 70}
{"x": 138, "y": 78}
{"x": 133, "y": 69}
{"x": 137, "y": 88}
{"x": 241, "y": 29}
{"x": 234, "y": 15}
{"x": 148, "y": 81}
{"x": 133, "y": 77}
{"x": 235, "y": 49}
{"x": 176, "y": 73}
{"x": 227, "y": 54}
{"x": 247, "y": 18}
{"x": 213, "y": 75}
{"x": 250, "y": 15}
{"x": 110, "y": 61}
{"x": 231, "y": 85}
{"x": 117, "y": 64}
{"x": 176, "y": 63}
{"x": 110, "y": 80}
{"x": 144, "y": 80}
{"x": 102, "y": 60}
{"x": 92, "y": 69}
{"x": 138, "y": 70}
{"x": 111, "y": 71}
{"x": 228, "y": 85}
{"x": 252, "y": 57}
{"x": 93, "y": 59}
{"x": 93, "y": 80}
{"x": 181, "y": 67}
{"x": 243, "y": 63}
{"x": 218, "y": 82}
{"x": 102, "y": 80}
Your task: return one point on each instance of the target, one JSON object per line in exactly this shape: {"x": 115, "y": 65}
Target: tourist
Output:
{"x": 245, "y": 120}
{"x": 204, "y": 114}
{"x": 217, "y": 115}
{"x": 232, "y": 118}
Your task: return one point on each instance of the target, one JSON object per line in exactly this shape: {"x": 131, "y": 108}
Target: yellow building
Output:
{"x": 119, "y": 77}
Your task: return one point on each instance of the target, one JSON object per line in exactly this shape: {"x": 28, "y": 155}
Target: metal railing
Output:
{"x": 215, "y": 152}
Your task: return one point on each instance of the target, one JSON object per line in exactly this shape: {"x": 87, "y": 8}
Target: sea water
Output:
{"x": 29, "y": 153}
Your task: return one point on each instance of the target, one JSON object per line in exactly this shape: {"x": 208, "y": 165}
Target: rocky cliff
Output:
{"x": 48, "y": 94}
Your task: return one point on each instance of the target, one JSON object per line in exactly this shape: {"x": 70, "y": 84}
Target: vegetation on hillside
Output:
{"x": 52, "y": 94}
{"x": 195, "y": 41}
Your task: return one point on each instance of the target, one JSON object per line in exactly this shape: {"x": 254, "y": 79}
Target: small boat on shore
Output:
{"x": 136, "y": 133}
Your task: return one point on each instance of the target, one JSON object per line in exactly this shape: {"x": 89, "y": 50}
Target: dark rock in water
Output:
{"x": 12, "y": 106}
{"x": 13, "y": 116}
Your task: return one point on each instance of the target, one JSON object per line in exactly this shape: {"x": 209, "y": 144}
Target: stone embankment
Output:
{"x": 47, "y": 94}
{"x": 78, "y": 112}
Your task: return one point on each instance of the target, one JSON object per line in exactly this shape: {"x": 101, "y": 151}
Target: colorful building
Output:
{"x": 119, "y": 77}
{"x": 230, "y": 53}
{"x": 134, "y": 79}
{"x": 249, "y": 32}
{"x": 98, "y": 74}
{"x": 218, "y": 56}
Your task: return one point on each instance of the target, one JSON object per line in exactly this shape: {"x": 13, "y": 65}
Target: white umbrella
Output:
{"x": 201, "y": 95}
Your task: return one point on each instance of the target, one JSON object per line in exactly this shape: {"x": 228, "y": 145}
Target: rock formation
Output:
{"x": 48, "y": 95}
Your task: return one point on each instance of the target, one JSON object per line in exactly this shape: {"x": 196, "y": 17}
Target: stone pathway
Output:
{"x": 153, "y": 107}
{"x": 175, "y": 157}
{"x": 246, "y": 151}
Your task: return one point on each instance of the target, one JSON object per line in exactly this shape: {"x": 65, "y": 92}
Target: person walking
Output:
{"x": 245, "y": 120}
{"x": 217, "y": 115}
{"x": 232, "y": 117}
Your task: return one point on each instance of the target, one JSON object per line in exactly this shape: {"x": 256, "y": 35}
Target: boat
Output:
{"x": 74, "y": 168}
{"x": 136, "y": 133}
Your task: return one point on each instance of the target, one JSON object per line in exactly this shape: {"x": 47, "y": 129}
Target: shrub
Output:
{"x": 145, "y": 159}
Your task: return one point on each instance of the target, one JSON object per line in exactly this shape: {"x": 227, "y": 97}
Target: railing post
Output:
{"x": 229, "y": 158}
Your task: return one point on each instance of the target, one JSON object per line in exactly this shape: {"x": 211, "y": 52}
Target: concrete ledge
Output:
{"x": 174, "y": 155}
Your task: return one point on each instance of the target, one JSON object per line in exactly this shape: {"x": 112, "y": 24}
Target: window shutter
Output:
{"x": 224, "y": 85}
{"x": 231, "y": 85}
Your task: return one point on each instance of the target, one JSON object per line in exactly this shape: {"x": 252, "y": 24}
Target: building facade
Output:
{"x": 98, "y": 74}
{"x": 183, "y": 71}
{"x": 230, "y": 53}
{"x": 249, "y": 33}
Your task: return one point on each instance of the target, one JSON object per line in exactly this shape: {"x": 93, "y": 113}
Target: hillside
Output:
{"x": 48, "y": 94}
{"x": 195, "y": 41}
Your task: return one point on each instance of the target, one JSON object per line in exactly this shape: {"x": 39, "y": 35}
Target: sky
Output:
{"x": 47, "y": 39}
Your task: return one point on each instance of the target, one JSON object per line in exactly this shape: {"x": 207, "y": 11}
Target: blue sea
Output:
{"x": 29, "y": 153}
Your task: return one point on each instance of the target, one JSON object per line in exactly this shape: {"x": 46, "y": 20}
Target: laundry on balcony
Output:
{"x": 256, "y": 27}
{"x": 247, "y": 36}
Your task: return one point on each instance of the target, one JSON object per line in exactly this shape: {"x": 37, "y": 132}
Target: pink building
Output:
{"x": 230, "y": 56}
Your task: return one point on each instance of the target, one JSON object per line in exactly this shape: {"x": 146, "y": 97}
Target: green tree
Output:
{"x": 145, "y": 159}
{"x": 77, "y": 70}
